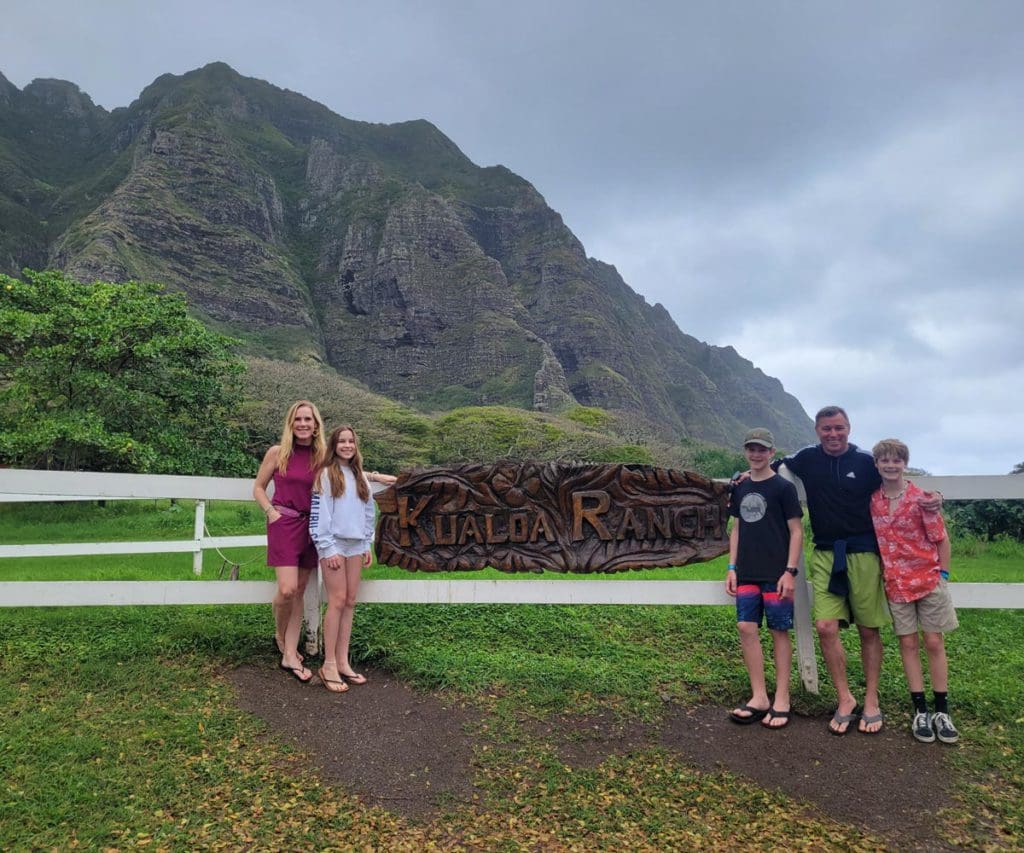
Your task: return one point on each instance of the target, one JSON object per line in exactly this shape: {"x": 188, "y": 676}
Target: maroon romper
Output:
{"x": 288, "y": 539}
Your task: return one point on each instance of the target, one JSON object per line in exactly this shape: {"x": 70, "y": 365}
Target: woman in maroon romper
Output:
{"x": 292, "y": 466}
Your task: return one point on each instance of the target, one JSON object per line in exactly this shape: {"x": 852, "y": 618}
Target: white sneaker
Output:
{"x": 922, "y": 727}
{"x": 944, "y": 728}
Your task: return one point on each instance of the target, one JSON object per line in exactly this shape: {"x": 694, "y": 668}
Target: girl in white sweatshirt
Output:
{"x": 341, "y": 523}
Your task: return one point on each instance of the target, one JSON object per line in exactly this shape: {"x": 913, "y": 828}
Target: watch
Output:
{"x": 792, "y": 570}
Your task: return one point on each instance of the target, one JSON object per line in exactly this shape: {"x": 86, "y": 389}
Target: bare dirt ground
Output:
{"x": 414, "y": 753}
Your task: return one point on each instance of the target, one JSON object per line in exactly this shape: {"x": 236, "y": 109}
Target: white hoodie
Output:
{"x": 345, "y": 517}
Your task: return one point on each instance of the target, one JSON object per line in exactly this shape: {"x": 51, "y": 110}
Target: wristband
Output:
{"x": 792, "y": 571}
{"x": 731, "y": 567}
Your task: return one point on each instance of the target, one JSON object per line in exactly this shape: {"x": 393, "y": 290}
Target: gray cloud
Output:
{"x": 837, "y": 190}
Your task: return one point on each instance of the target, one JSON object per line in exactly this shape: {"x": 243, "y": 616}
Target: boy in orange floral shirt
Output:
{"x": 915, "y": 564}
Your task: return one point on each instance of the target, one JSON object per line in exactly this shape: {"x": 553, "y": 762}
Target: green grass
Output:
{"x": 123, "y": 521}
{"x": 118, "y": 730}
{"x": 128, "y": 521}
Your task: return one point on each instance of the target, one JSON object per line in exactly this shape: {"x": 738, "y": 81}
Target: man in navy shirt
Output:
{"x": 844, "y": 568}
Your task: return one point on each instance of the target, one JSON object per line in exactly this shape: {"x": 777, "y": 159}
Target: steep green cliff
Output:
{"x": 380, "y": 250}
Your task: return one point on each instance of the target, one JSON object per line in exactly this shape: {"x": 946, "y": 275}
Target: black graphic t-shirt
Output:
{"x": 763, "y": 509}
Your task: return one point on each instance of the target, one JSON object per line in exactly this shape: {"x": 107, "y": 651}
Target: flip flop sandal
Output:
{"x": 869, "y": 719}
{"x": 839, "y": 719}
{"x": 330, "y": 682}
{"x": 756, "y": 714}
{"x": 295, "y": 673}
{"x": 354, "y": 678}
{"x": 776, "y": 715}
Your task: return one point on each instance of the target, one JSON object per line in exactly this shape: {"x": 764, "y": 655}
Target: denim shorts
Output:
{"x": 755, "y": 599}
{"x": 351, "y": 547}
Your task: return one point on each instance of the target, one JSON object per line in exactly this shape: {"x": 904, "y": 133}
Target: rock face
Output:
{"x": 380, "y": 249}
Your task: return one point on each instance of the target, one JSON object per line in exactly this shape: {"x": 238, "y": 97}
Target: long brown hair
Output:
{"x": 318, "y": 446}
{"x": 332, "y": 463}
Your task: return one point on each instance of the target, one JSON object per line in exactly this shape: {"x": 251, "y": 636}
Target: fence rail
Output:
{"x": 20, "y": 486}
{"x": 435, "y": 591}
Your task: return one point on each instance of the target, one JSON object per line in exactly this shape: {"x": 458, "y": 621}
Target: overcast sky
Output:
{"x": 834, "y": 189}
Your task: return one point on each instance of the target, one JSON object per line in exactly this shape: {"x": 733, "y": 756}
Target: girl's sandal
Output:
{"x": 332, "y": 684}
{"x": 354, "y": 678}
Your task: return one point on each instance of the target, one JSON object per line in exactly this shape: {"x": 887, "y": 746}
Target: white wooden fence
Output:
{"x": 18, "y": 485}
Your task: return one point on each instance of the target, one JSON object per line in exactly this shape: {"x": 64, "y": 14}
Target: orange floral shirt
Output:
{"x": 907, "y": 538}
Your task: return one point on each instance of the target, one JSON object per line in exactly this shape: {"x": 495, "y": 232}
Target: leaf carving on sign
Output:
{"x": 527, "y": 517}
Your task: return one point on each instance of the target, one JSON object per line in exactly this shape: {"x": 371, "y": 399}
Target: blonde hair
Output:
{"x": 318, "y": 446}
{"x": 332, "y": 463}
{"x": 891, "y": 447}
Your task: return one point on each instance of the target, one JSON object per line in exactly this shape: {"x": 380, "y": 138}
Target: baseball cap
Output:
{"x": 760, "y": 436}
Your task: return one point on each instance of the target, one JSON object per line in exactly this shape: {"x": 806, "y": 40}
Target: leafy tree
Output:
{"x": 986, "y": 519}
{"x": 710, "y": 459}
{"x": 113, "y": 377}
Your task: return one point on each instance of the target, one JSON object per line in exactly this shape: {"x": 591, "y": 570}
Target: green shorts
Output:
{"x": 866, "y": 606}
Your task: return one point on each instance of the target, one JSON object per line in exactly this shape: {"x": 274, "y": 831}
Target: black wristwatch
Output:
{"x": 792, "y": 570}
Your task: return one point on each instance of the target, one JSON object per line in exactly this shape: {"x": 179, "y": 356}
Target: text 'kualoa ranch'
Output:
{"x": 588, "y": 508}
{"x": 550, "y": 516}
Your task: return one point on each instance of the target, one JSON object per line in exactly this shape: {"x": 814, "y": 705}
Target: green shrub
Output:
{"x": 590, "y": 417}
{"x": 987, "y": 519}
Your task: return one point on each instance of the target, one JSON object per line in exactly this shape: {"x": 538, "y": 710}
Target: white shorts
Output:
{"x": 351, "y": 547}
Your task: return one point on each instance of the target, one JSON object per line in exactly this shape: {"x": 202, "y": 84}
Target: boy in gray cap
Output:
{"x": 764, "y": 551}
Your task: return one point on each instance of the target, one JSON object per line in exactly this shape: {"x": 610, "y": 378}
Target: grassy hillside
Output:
{"x": 394, "y": 436}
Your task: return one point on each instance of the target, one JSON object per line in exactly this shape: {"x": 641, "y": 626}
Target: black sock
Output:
{"x": 941, "y": 706}
{"x": 920, "y": 705}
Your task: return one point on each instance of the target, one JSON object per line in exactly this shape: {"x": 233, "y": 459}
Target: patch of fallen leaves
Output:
{"x": 252, "y": 793}
{"x": 644, "y": 801}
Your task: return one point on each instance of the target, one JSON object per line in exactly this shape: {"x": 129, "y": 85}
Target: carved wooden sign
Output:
{"x": 523, "y": 516}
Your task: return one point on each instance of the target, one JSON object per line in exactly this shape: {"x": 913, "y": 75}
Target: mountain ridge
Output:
{"x": 380, "y": 250}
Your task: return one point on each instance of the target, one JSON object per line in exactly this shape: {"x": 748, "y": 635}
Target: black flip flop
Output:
{"x": 295, "y": 670}
{"x": 773, "y": 714}
{"x": 756, "y": 714}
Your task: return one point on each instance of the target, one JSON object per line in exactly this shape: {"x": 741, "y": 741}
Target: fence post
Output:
{"x": 197, "y": 554}
{"x": 806, "y": 663}
{"x": 311, "y": 612}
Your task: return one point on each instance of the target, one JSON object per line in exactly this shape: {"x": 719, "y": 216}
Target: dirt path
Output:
{"x": 413, "y": 752}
